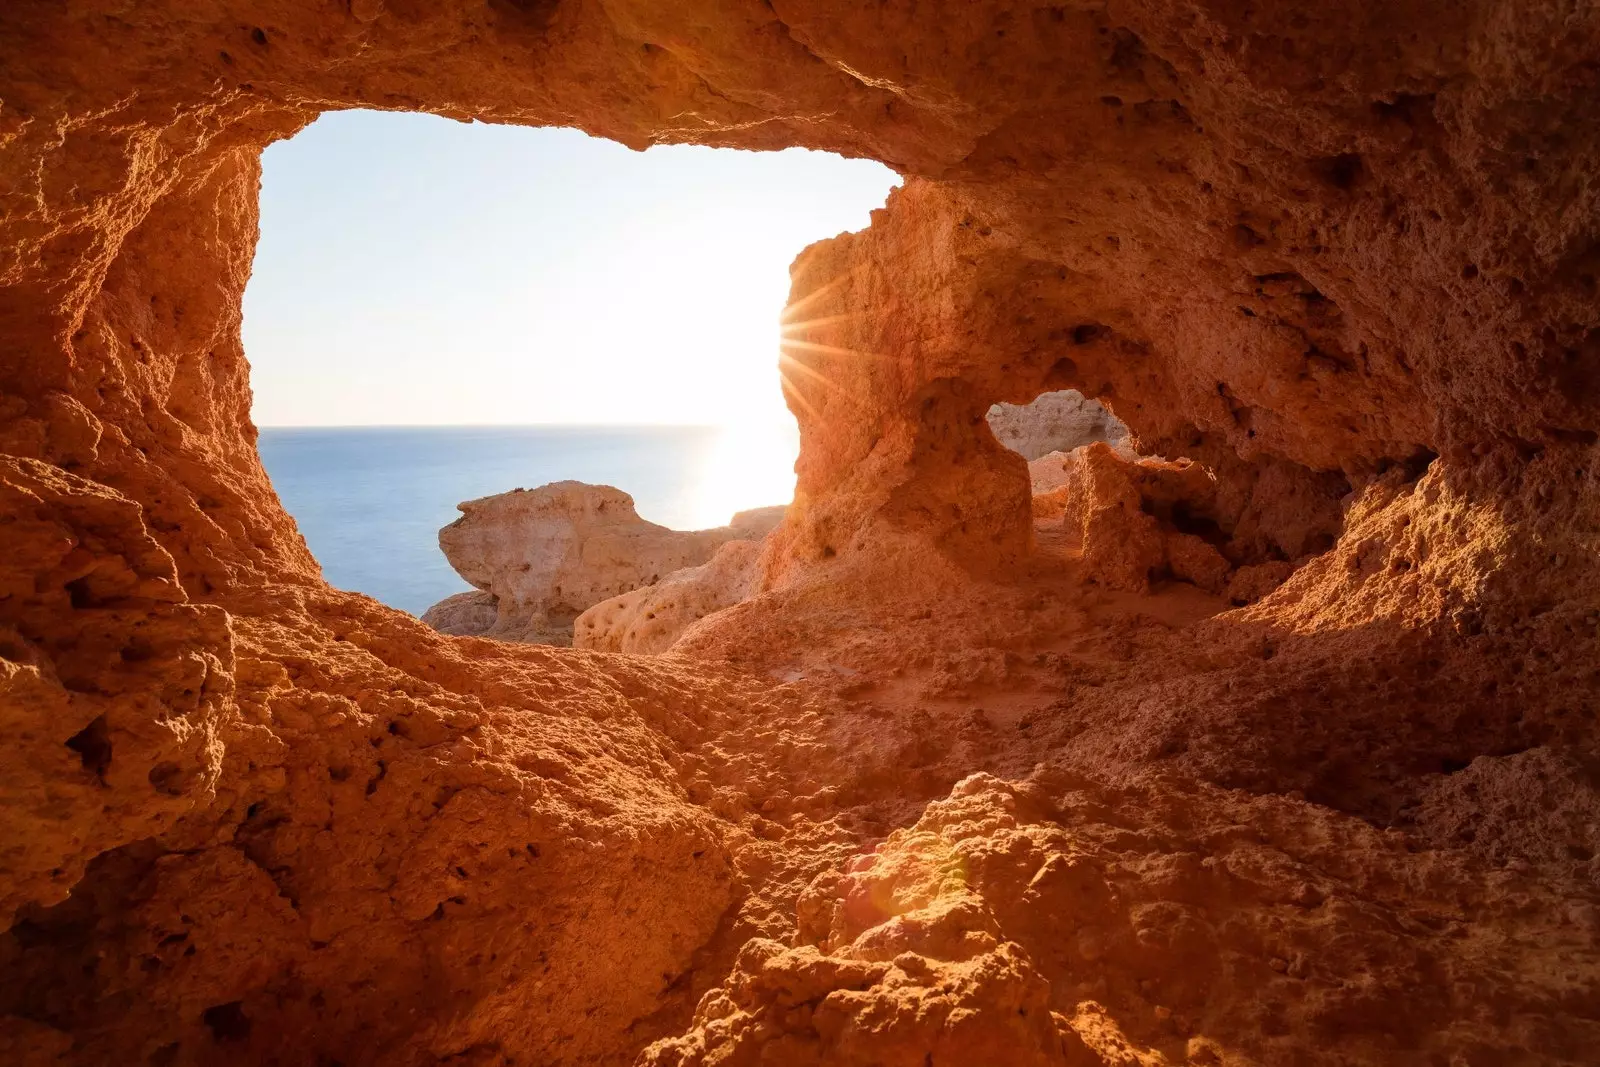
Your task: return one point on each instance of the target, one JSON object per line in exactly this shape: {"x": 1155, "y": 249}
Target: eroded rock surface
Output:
{"x": 653, "y": 618}
{"x": 464, "y": 614}
{"x": 541, "y": 557}
{"x": 937, "y": 789}
{"x": 980, "y": 935}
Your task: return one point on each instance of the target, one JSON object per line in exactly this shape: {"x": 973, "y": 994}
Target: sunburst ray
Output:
{"x": 817, "y": 294}
{"x": 828, "y": 350}
{"x": 786, "y": 360}
{"x": 826, "y": 320}
{"x": 790, "y": 389}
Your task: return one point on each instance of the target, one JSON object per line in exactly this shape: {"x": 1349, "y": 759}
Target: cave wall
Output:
{"x": 1212, "y": 218}
{"x": 1345, "y": 256}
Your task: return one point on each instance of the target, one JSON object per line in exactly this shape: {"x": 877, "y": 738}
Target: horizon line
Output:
{"x": 494, "y": 425}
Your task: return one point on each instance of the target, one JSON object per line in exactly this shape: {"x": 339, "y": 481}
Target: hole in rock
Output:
{"x": 1342, "y": 171}
{"x": 168, "y": 779}
{"x": 80, "y": 594}
{"x": 1057, "y": 421}
{"x": 227, "y": 1022}
{"x": 93, "y": 746}
{"x": 1137, "y": 522}
{"x": 1047, "y": 430}
{"x": 444, "y": 311}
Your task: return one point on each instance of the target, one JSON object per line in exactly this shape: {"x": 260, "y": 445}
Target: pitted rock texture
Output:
{"x": 935, "y": 790}
{"x": 1054, "y": 422}
{"x": 465, "y": 614}
{"x": 652, "y": 619}
{"x": 980, "y": 932}
{"x": 541, "y": 557}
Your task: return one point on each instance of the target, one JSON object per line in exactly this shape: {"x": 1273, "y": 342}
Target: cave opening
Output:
{"x": 442, "y": 311}
{"x": 1232, "y": 528}
{"x": 1048, "y": 433}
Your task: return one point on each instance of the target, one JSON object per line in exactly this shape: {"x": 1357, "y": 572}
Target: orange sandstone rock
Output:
{"x": 931, "y": 791}
{"x": 652, "y": 619}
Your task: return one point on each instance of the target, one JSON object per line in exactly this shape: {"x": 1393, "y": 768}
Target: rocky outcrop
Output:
{"x": 937, "y": 790}
{"x": 541, "y": 557}
{"x": 464, "y": 614}
{"x": 1139, "y": 519}
{"x": 1054, "y": 422}
{"x": 1114, "y": 507}
{"x": 653, "y": 618}
{"x": 967, "y": 937}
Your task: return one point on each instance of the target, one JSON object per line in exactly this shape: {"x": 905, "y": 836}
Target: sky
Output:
{"x": 413, "y": 270}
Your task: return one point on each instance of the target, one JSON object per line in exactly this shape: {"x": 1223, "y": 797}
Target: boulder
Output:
{"x": 463, "y": 615}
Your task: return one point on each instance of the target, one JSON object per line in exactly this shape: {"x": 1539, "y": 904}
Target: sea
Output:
{"x": 370, "y": 500}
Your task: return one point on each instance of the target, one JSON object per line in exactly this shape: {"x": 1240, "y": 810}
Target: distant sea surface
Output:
{"x": 370, "y": 500}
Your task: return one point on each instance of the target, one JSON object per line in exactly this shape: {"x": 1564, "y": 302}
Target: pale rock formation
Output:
{"x": 1057, "y": 421}
{"x": 541, "y": 557}
{"x": 653, "y": 618}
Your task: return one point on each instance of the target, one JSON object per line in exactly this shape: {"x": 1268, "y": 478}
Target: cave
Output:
{"x": 927, "y": 797}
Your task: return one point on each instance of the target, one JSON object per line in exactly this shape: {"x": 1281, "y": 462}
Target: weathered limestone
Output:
{"x": 464, "y": 614}
{"x": 543, "y": 556}
{"x": 653, "y": 618}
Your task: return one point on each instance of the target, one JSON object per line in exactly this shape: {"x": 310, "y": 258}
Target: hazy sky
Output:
{"x": 414, "y": 270}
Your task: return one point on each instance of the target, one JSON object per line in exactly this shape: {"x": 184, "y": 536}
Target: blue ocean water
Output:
{"x": 370, "y": 500}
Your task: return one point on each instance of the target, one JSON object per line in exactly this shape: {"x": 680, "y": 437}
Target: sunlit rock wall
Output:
{"x": 1343, "y": 258}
